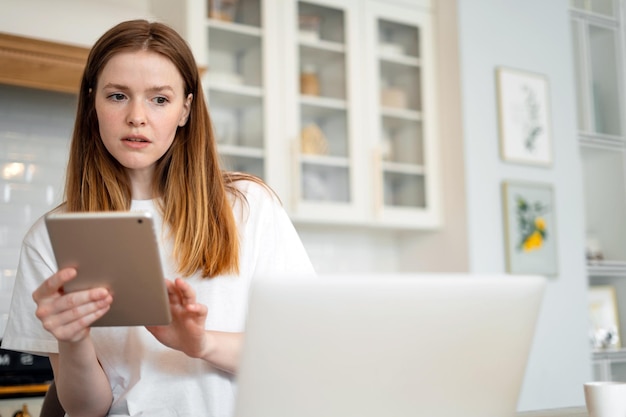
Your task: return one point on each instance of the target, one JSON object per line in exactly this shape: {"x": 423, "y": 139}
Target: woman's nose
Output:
{"x": 136, "y": 114}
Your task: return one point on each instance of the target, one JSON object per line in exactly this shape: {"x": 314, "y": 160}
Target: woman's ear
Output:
{"x": 186, "y": 109}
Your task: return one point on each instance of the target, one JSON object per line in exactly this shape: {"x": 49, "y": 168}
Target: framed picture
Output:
{"x": 524, "y": 117}
{"x": 530, "y": 228}
{"x": 603, "y": 318}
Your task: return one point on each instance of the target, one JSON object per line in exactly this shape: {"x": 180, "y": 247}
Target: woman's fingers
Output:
{"x": 180, "y": 292}
{"x": 54, "y": 285}
{"x": 72, "y": 326}
{"x": 67, "y": 316}
{"x": 187, "y": 294}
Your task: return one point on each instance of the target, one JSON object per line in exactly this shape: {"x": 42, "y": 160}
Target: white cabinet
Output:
{"x": 609, "y": 365}
{"x": 330, "y": 101}
{"x": 597, "y": 37}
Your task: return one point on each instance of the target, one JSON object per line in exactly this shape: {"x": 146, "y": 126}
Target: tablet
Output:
{"x": 119, "y": 251}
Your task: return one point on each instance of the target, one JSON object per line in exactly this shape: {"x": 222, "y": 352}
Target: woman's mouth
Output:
{"x": 136, "y": 139}
{"x": 136, "y": 142}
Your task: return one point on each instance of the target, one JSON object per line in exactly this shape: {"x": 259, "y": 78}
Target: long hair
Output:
{"x": 194, "y": 194}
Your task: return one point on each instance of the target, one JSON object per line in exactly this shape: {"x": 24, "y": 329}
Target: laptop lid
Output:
{"x": 391, "y": 345}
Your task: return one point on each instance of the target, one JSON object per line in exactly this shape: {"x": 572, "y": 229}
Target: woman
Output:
{"x": 142, "y": 140}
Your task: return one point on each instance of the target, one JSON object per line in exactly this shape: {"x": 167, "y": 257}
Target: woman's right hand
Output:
{"x": 68, "y": 316}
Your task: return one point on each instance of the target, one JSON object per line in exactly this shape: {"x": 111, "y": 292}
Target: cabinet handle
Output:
{"x": 296, "y": 187}
{"x": 377, "y": 181}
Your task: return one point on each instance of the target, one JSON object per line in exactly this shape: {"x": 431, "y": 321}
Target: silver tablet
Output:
{"x": 119, "y": 251}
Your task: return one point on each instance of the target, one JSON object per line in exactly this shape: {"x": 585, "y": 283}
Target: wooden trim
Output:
{"x": 45, "y": 65}
{"x": 29, "y": 389}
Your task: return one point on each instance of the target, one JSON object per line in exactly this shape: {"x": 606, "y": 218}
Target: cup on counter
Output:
{"x": 605, "y": 398}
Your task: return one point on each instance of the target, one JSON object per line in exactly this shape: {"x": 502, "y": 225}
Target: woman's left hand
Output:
{"x": 187, "y": 331}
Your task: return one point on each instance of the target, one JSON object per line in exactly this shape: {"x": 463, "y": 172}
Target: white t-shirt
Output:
{"x": 146, "y": 377}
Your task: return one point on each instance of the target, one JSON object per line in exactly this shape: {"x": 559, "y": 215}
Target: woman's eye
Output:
{"x": 160, "y": 100}
{"x": 117, "y": 96}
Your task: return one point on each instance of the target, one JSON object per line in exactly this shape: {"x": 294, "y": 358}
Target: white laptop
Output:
{"x": 387, "y": 346}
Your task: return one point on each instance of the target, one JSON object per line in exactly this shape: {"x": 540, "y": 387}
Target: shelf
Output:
{"x": 598, "y": 140}
{"x": 322, "y": 45}
{"x": 241, "y": 151}
{"x": 400, "y": 168}
{"x": 330, "y": 161}
{"x": 404, "y": 114}
{"x": 606, "y": 268}
{"x": 400, "y": 59}
{"x": 235, "y": 96}
{"x": 235, "y": 27}
{"x": 609, "y": 354}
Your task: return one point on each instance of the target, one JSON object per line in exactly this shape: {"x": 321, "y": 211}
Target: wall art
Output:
{"x": 524, "y": 117}
{"x": 530, "y": 228}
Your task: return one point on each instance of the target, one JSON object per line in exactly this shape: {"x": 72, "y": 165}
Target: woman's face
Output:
{"x": 140, "y": 102}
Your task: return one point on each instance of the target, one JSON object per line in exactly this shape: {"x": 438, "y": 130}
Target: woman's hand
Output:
{"x": 187, "y": 331}
{"x": 68, "y": 316}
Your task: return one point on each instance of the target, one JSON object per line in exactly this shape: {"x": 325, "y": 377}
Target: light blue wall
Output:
{"x": 532, "y": 35}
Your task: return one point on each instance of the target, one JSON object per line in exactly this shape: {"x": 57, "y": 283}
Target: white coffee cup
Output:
{"x": 605, "y": 399}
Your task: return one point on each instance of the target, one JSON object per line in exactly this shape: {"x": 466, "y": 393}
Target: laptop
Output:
{"x": 389, "y": 345}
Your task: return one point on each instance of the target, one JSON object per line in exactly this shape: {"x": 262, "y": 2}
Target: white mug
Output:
{"x": 605, "y": 399}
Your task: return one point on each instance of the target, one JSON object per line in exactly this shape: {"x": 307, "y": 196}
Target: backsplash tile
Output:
{"x": 35, "y": 128}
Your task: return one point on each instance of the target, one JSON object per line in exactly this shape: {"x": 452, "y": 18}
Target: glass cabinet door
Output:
{"x": 324, "y": 163}
{"x": 234, "y": 83}
{"x": 323, "y": 156}
{"x": 597, "y": 54}
{"x": 402, "y": 115}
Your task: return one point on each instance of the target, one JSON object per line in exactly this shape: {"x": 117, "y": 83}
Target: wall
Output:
{"x": 531, "y": 35}
{"x": 78, "y": 22}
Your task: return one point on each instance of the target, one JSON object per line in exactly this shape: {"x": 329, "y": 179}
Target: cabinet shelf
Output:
{"x": 399, "y": 59}
{"x": 319, "y": 108}
{"x": 606, "y": 268}
{"x": 400, "y": 168}
{"x": 322, "y": 46}
{"x": 235, "y": 27}
{"x": 330, "y": 161}
{"x": 242, "y": 151}
{"x": 236, "y": 96}
{"x": 238, "y": 36}
{"x": 323, "y": 103}
{"x": 597, "y": 140}
{"x": 403, "y": 114}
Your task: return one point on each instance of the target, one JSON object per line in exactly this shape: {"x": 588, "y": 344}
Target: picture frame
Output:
{"x": 604, "y": 330}
{"x": 524, "y": 117}
{"x": 530, "y": 228}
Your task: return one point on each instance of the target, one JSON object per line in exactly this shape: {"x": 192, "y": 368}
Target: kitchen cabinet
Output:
{"x": 609, "y": 365}
{"x": 331, "y": 102}
{"x": 597, "y": 37}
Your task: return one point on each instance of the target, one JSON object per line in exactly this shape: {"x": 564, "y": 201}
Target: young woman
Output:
{"x": 143, "y": 141}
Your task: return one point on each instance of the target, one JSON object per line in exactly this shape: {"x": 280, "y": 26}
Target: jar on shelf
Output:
{"x": 309, "y": 81}
{"x": 309, "y": 27}
{"x": 223, "y": 10}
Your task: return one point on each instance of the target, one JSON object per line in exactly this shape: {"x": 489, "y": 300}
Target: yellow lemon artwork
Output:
{"x": 532, "y": 226}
